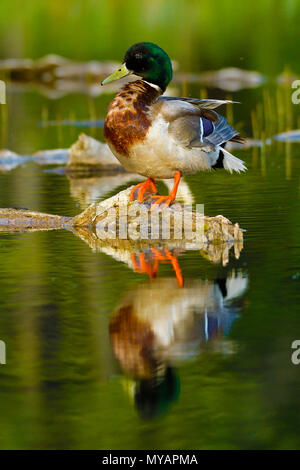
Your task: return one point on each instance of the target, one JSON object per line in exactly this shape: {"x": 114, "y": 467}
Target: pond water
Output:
{"x": 79, "y": 325}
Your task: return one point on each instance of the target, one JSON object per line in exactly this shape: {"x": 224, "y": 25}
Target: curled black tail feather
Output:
{"x": 219, "y": 162}
{"x": 238, "y": 139}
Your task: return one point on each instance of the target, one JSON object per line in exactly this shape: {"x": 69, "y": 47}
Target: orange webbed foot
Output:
{"x": 138, "y": 191}
{"x": 166, "y": 255}
{"x": 140, "y": 265}
{"x": 165, "y": 201}
{"x": 158, "y": 201}
{"x": 148, "y": 263}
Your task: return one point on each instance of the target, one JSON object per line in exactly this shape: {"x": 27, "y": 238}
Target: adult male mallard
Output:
{"x": 161, "y": 136}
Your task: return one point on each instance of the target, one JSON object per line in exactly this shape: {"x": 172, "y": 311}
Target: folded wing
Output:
{"x": 193, "y": 124}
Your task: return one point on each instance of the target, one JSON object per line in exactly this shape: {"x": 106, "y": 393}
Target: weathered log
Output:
{"x": 215, "y": 229}
{"x": 14, "y": 219}
{"x": 88, "y": 152}
{"x": 53, "y": 67}
{"x": 122, "y": 228}
{"x": 212, "y": 236}
{"x": 123, "y": 250}
{"x": 229, "y": 79}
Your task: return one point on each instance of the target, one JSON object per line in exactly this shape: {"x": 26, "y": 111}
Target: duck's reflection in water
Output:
{"x": 157, "y": 326}
{"x": 147, "y": 262}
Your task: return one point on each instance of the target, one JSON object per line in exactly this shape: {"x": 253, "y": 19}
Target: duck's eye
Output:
{"x": 138, "y": 56}
{"x": 137, "y": 62}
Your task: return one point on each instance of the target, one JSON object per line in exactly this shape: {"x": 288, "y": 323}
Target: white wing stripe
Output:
{"x": 201, "y": 130}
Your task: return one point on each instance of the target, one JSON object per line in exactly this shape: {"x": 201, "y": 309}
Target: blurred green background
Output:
{"x": 200, "y": 34}
{"x": 62, "y": 387}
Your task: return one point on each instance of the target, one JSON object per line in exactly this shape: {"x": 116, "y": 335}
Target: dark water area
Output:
{"x": 100, "y": 356}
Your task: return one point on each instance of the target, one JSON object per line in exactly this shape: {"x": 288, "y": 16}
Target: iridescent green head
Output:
{"x": 148, "y": 61}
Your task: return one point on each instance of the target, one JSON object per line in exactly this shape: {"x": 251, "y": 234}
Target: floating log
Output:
{"x": 89, "y": 152}
{"x": 215, "y": 229}
{"x": 125, "y": 250}
{"x": 53, "y": 67}
{"x": 14, "y": 219}
{"x": 116, "y": 226}
{"x": 229, "y": 79}
{"x": 9, "y": 160}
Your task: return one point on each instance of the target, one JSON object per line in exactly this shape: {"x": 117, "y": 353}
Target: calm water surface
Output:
{"x": 99, "y": 356}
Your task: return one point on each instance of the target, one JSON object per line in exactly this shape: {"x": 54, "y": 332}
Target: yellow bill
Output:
{"x": 120, "y": 73}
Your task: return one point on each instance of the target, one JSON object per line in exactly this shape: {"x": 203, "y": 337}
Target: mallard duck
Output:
{"x": 162, "y": 137}
{"x": 149, "y": 325}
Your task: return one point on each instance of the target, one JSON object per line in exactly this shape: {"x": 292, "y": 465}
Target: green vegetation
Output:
{"x": 262, "y": 35}
{"x": 62, "y": 386}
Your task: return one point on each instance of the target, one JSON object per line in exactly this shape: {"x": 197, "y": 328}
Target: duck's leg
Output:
{"x": 139, "y": 190}
{"x": 165, "y": 201}
{"x": 150, "y": 266}
{"x": 166, "y": 255}
{"x": 142, "y": 266}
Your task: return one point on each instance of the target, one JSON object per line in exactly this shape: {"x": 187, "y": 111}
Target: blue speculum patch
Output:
{"x": 208, "y": 127}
